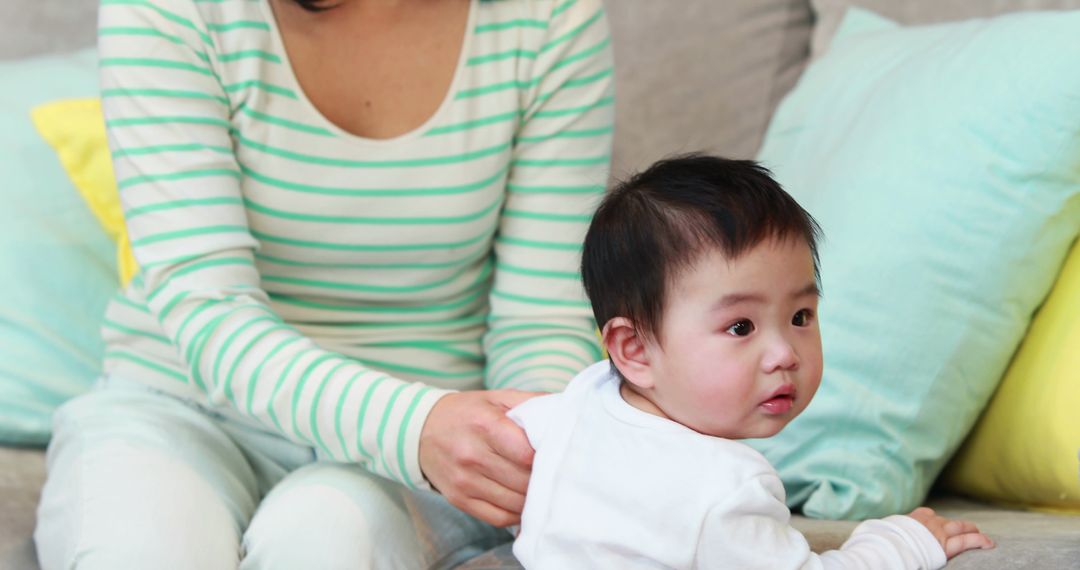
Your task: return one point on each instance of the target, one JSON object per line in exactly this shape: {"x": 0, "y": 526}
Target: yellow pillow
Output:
{"x": 1023, "y": 451}
{"x": 75, "y": 128}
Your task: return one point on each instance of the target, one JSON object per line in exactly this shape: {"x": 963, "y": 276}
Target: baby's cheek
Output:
{"x": 815, "y": 368}
{"x": 723, "y": 381}
{"x": 812, "y": 372}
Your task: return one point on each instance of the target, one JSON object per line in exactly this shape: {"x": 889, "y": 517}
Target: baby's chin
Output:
{"x": 761, "y": 430}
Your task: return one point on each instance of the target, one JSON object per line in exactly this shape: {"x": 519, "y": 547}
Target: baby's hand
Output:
{"x": 955, "y": 536}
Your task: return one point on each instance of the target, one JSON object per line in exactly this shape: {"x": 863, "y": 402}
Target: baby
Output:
{"x": 703, "y": 274}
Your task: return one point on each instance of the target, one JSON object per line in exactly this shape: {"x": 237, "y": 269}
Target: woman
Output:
{"x": 358, "y": 226}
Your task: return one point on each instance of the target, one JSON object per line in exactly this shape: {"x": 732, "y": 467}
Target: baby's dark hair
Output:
{"x": 654, "y": 225}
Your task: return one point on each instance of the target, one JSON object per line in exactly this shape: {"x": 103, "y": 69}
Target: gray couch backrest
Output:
{"x": 691, "y": 74}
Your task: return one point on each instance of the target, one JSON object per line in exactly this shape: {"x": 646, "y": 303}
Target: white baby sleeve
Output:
{"x": 752, "y": 530}
{"x": 535, "y": 416}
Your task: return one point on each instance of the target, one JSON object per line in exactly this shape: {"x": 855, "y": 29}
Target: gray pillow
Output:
{"x": 30, "y": 27}
{"x": 914, "y": 12}
{"x": 701, "y": 74}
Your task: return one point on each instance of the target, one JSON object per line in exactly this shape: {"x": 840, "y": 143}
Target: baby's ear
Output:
{"x": 626, "y": 348}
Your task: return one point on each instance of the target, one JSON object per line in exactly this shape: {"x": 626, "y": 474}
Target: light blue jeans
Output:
{"x": 140, "y": 479}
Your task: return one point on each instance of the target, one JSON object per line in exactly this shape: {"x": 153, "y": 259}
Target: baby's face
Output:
{"x": 741, "y": 350}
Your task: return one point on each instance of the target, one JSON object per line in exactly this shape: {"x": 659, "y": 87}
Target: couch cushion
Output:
{"x": 1024, "y": 449}
{"x": 75, "y": 128}
{"x": 1024, "y": 540}
{"x": 943, "y": 163}
{"x": 46, "y": 26}
{"x": 705, "y": 75}
{"x": 22, "y": 473}
{"x": 58, "y": 265}
{"x": 913, "y": 12}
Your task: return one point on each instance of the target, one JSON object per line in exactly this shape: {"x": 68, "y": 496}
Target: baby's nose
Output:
{"x": 781, "y": 356}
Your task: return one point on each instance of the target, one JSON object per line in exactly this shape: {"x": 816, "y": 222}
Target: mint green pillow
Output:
{"x": 57, "y": 266}
{"x": 943, "y": 163}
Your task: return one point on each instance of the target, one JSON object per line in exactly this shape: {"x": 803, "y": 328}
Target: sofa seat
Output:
{"x": 1024, "y": 539}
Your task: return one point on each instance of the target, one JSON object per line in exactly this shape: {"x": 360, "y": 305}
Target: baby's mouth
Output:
{"x": 780, "y": 401}
{"x": 778, "y": 405}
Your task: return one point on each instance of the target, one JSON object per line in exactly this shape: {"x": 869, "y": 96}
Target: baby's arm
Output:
{"x": 752, "y": 530}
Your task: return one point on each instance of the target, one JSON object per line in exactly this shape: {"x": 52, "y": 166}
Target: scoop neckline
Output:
{"x": 324, "y": 122}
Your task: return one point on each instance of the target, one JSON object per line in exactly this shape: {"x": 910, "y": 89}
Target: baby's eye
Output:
{"x": 741, "y": 328}
{"x": 802, "y": 318}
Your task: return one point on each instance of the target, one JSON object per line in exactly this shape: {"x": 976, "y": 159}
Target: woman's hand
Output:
{"x": 474, "y": 455}
{"x": 955, "y": 536}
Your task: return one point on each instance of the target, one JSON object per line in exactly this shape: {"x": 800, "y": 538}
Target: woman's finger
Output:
{"x": 471, "y": 491}
{"x": 490, "y": 513}
{"x": 492, "y": 492}
{"x": 509, "y": 441}
{"x": 506, "y": 473}
{"x": 473, "y": 483}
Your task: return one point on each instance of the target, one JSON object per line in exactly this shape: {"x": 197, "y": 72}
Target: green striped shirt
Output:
{"x": 331, "y": 287}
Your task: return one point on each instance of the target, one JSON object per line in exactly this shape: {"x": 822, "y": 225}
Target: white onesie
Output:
{"x": 615, "y": 487}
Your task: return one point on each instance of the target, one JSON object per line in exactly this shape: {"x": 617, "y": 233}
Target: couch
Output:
{"x": 730, "y": 61}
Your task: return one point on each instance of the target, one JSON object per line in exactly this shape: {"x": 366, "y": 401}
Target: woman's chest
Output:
{"x": 374, "y": 207}
{"x": 376, "y": 70}
{"x": 315, "y": 191}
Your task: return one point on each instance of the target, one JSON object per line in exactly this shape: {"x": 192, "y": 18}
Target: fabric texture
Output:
{"x": 57, "y": 265}
{"x": 137, "y": 480}
{"x": 46, "y": 26}
{"x": 616, "y": 487}
{"x": 829, "y": 13}
{"x": 706, "y": 75}
{"x": 943, "y": 163}
{"x": 1023, "y": 451}
{"x": 332, "y": 287}
{"x": 75, "y": 129}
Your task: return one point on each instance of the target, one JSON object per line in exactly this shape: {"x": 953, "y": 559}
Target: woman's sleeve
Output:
{"x": 752, "y": 530}
{"x": 168, "y": 117}
{"x": 541, "y": 331}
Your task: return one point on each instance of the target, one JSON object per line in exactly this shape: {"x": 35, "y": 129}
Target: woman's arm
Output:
{"x": 168, "y": 101}
{"x": 541, "y": 331}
